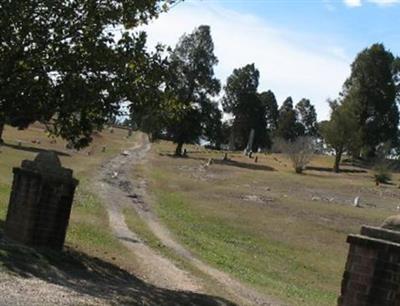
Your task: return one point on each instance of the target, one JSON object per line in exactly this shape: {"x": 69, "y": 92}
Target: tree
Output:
{"x": 271, "y": 109}
{"x": 300, "y": 151}
{"x": 212, "y": 125}
{"x": 147, "y": 101}
{"x": 190, "y": 84}
{"x": 307, "y": 116}
{"x": 59, "y": 62}
{"x": 249, "y": 111}
{"x": 341, "y": 131}
{"x": 372, "y": 89}
{"x": 289, "y": 128}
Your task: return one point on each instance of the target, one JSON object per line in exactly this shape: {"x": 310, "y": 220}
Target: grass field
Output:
{"x": 88, "y": 229}
{"x": 281, "y": 232}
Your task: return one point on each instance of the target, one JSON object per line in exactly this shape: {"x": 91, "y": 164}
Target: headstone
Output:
{"x": 356, "y": 202}
{"x": 256, "y": 159}
{"x": 249, "y": 146}
{"x": 40, "y": 202}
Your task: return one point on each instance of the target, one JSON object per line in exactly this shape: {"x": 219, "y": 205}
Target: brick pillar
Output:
{"x": 372, "y": 272}
{"x": 40, "y": 202}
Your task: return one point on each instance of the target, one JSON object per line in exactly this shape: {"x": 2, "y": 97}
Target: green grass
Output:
{"x": 88, "y": 230}
{"x": 289, "y": 246}
{"x": 89, "y": 224}
{"x": 265, "y": 263}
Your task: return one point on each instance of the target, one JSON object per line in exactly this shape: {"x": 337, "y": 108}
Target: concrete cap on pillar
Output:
{"x": 392, "y": 223}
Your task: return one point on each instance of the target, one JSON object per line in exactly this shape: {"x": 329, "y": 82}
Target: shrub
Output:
{"x": 383, "y": 173}
{"x": 299, "y": 151}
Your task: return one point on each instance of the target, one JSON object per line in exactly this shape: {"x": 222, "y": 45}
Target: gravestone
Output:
{"x": 249, "y": 146}
{"x": 372, "y": 272}
{"x": 40, "y": 202}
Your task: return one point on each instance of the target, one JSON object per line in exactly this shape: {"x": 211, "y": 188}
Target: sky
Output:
{"x": 302, "y": 48}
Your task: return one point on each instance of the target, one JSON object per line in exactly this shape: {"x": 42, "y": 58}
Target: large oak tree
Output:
{"x": 59, "y": 61}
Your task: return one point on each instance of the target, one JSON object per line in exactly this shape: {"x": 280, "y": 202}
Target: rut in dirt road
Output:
{"x": 118, "y": 191}
{"x": 114, "y": 187}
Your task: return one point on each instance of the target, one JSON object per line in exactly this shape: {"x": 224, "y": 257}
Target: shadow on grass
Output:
{"x": 33, "y": 149}
{"x": 92, "y": 276}
{"x": 251, "y": 165}
{"x": 327, "y": 169}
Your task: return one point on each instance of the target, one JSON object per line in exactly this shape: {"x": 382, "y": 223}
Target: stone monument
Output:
{"x": 40, "y": 202}
{"x": 372, "y": 272}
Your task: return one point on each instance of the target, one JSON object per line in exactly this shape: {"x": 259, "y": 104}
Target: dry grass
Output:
{"x": 88, "y": 230}
{"x": 281, "y": 232}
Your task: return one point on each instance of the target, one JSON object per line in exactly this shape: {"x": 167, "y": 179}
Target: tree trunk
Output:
{"x": 1, "y": 130}
{"x": 178, "y": 150}
{"x": 338, "y": 157}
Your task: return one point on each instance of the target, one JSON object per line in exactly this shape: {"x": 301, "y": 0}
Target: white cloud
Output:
{"x": 384, "y": 2}
{"x": 357, "y": 3}
{"x": 352, "y": 3}
{"x": 290, "y": 64}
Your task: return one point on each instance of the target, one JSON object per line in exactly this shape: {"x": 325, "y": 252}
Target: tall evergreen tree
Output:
{"x": 307, "y": 116}
{"x": 191, "y": 82}
{"x": 271, "y": 109}
{"x": 289, "y": 128}
{"x": 371, "y": 88}
{"x": 243, "y": 102}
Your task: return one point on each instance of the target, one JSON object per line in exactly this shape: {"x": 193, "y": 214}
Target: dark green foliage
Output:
{"x": 212, "y": 124}
{"x": 307, "y": 116}
{"x": 371, "y": 89}
{"x": 341, "y": 131}
{"x": 271, "y": 109}
{"x": 382, "y": 173}
{"x": 60, "y": 64}
{"x": 289, "y": 128}
{"x": 190, "y": 85}
{"x": 142, "y": 83}
{"x": 249, "y": 111}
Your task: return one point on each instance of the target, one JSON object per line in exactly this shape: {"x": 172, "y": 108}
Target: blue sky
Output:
{"x": 302, "y": 48}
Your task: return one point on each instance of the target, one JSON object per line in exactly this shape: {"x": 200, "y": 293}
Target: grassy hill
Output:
{"x": 281, "y": 232}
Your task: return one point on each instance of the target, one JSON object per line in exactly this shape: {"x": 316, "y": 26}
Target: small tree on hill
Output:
{"x": 341, "y": 131}
{"x": 300, "y": 152}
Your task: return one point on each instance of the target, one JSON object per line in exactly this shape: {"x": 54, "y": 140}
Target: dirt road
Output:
{"x": 117, "y": 189}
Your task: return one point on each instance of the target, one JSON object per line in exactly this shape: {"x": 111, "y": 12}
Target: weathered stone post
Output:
{"x": 40, "y": 202}
{"x": 372, "y": 273}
